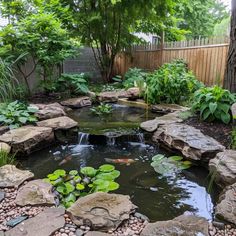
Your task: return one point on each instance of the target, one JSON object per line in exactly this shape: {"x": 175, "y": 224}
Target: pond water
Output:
{"x": 158, "y": 197}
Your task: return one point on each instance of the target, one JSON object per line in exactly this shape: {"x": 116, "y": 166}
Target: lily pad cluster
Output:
{"x": 163, "y": 165}
{"x": 70, "y": 186}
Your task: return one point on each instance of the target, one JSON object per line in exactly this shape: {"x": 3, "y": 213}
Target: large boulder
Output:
{"x": 77, "y": 102}
{"x": 152, "y": 125}
{"x": 223, "y": 166}
{"x": 10, "y": 176}
{"x": 167, "y": 108}
{"x": 180, "y": 226}
{"x": 5, "y": 147}
{"x": 226, "y": 207}
{"x": 48, "y": 111}
{"x": 44, "y": 224}
{"x": 133, "y": 93}
{"x": 27, "y": 139}
{"x": 112, "y": 96}
{"x": 103, "y": 211}
{"x": 193, "y": 144}
{"x": 36, "y": 192}
{"x": 62, "y": 123}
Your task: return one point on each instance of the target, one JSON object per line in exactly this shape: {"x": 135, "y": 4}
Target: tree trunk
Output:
{"x": 230, "y": 73}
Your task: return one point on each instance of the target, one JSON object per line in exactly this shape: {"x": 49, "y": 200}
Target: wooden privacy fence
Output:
{"x": 206, "y": 58}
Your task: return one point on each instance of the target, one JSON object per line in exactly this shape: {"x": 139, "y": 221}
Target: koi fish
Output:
{"x": 120, "y": 161}
{"x": 65, "y": 160}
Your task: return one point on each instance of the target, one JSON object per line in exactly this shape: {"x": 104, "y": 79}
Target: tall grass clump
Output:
{"x": 6, "y": 158}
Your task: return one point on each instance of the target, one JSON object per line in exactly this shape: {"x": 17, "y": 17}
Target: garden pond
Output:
{"x": 117, "y": 139}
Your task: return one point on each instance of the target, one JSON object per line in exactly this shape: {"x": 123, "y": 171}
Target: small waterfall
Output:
{"x": 83, "y": 138}
{"x": 111, "y": 141}
{"x": 140, "y": 137}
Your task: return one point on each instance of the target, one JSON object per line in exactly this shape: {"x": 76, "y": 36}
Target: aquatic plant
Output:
{"x": 6, "y": 158}
{"x": 75, "y": 184}
{"x": 163, "y": 165}
{"x": 102, "y": 109}
{"x": 16, "y": 114}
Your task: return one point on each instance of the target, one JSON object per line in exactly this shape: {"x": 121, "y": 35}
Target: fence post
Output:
{"x": 162, "y": 45}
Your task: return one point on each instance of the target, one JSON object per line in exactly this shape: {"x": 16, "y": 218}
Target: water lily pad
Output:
{"x": 88, "y": 171}
{"x": 113, "y": 186}
{"x": 158, "y": 157}
{"x": 53, "y": 177}
{"x": 80, "y": 186}
{"x": 106, "y": 168}
{"x": 109, "y": 176}
{"x": 60, "y": 172}
{"x": 175, "y": 158}
{"x": 73, "y": 172}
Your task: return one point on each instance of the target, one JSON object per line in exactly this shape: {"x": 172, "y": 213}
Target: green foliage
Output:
{"x": 163, "y": 165}
{"x": 16, "y": 114}
{"x": 184, "y": 115}
{"x": 172, "y": 83}
{"x": 6, "y": 158}
{"x": 134, "y": 77}
{"x": 213, "y": 103}
{"x": 233, "y": 138}
{"x": 102, "y": 109}
{"x": 74, "y": 184}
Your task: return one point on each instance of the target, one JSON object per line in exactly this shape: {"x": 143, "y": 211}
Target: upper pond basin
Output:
{"x": 159, "y": 197}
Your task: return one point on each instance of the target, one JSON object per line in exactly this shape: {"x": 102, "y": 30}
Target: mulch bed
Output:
{"x": 219, "y": 131}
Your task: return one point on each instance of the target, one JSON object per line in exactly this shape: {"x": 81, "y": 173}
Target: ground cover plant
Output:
{"x": 213, "y": 103}
{"x": 102, "y": 109}
{"x": 172, "y": 83}
{"x": 16, "y": 114}
{"x": 75, "y": 184}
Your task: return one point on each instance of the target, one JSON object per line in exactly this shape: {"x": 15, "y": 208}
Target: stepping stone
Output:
{"x": 223, "y": 166}
{"x": 62, "y": 123}
{"x": 44, "y": 224}
{"x": 16, "y": 221}
{"x": 167, "y": 108}
{"x": 77, "y": 102}
{"x": 103, "y": 210}
{"x": 36, "y": 192}
{"x": 27, "y": 139}
{"x": 193, "y": 144}
{"x": 10, "y": 176}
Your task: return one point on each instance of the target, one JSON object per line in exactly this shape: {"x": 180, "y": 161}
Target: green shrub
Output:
{"x": 74, "y": 184}
{"x": 213, "y": 103}
{"x": 6, "y": 158}
{"x": 134, "y": 77}
{"x": 172, "y": 83}
{"x": 16, "y": 114}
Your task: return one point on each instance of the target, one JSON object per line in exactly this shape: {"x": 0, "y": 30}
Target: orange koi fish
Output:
{"x": 120, "y": 161}
{"x": 65, "y": 160}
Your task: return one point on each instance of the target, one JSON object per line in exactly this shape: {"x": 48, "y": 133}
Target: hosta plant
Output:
{"x": 75, "y": 184}
{"x": 134, "y": 77}
{"x": 16, "y": 114}
{"x": 163, "y": 165}
{"x": 213, "y": 103}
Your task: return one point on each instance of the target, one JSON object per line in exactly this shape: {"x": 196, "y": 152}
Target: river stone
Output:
{"x": 226, "y": 207}
{"x": 152, "y": 125}
{"x": 103, "y": 211}
{"x": 63, "y": 123}
{"x": 10, "y": 176}
{"x": 77, "y": 102}
{"x": 49, "y": 111}
{"x": 168, "y": 108}
{"x": 5, "y": 147}
{"x": 27, "y": 139}
{"x": 44, "y": 224}
{"x": 180, "y": 226}
{"x": 36, "y": 192}
{"x": 193, "y": 144}
{"x": 112, "y": 96}
{"x": 224, "y": 167}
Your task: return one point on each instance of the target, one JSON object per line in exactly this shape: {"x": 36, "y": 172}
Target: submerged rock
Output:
{"x": 44, "y": 224}
{"x": 102, "y": 211}
{"x": 48, "y": 111}
{"x": 63, "y": 123}
{"x": 167, "y": 108}
{"x": 77, "y": 102}
{"x": 27, "y": 139}
{"x": 152, "y": 125}
{"x": 226, "y": 207}
{"x": 224, "y": 167}
{"x": 180, "y": 226}
{"x": 16, "y": 221}
{"x": 36, "y": 192}
{"x": 10, "y": 176}
{"x": 193, "y": 144}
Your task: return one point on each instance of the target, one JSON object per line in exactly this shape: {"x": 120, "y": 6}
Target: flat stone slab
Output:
{"x": 3, "y": 129}
{"x": 5, "y": 147}
{"x": 226, "y": 207}
{"x": 44, "y": 224}
{"x": 112, "y": 96}
{"x": 152, "y": 125}
{"x": 167, "y": 108}
{"x": 48, "y": 111}
{"x": 27, "y": 139}
{"x": 191, "y": 142}
{"x": 77, "y": 102}
{"x": 224, "y": 167}
{"x": 16, "y": 221}
{"x": 180, "y": 226}
{"x": 10, "y": 176}
{"x": 62, "y": 123}
{"x": 36, "y": 192}
{"x": 103, "y": 210}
